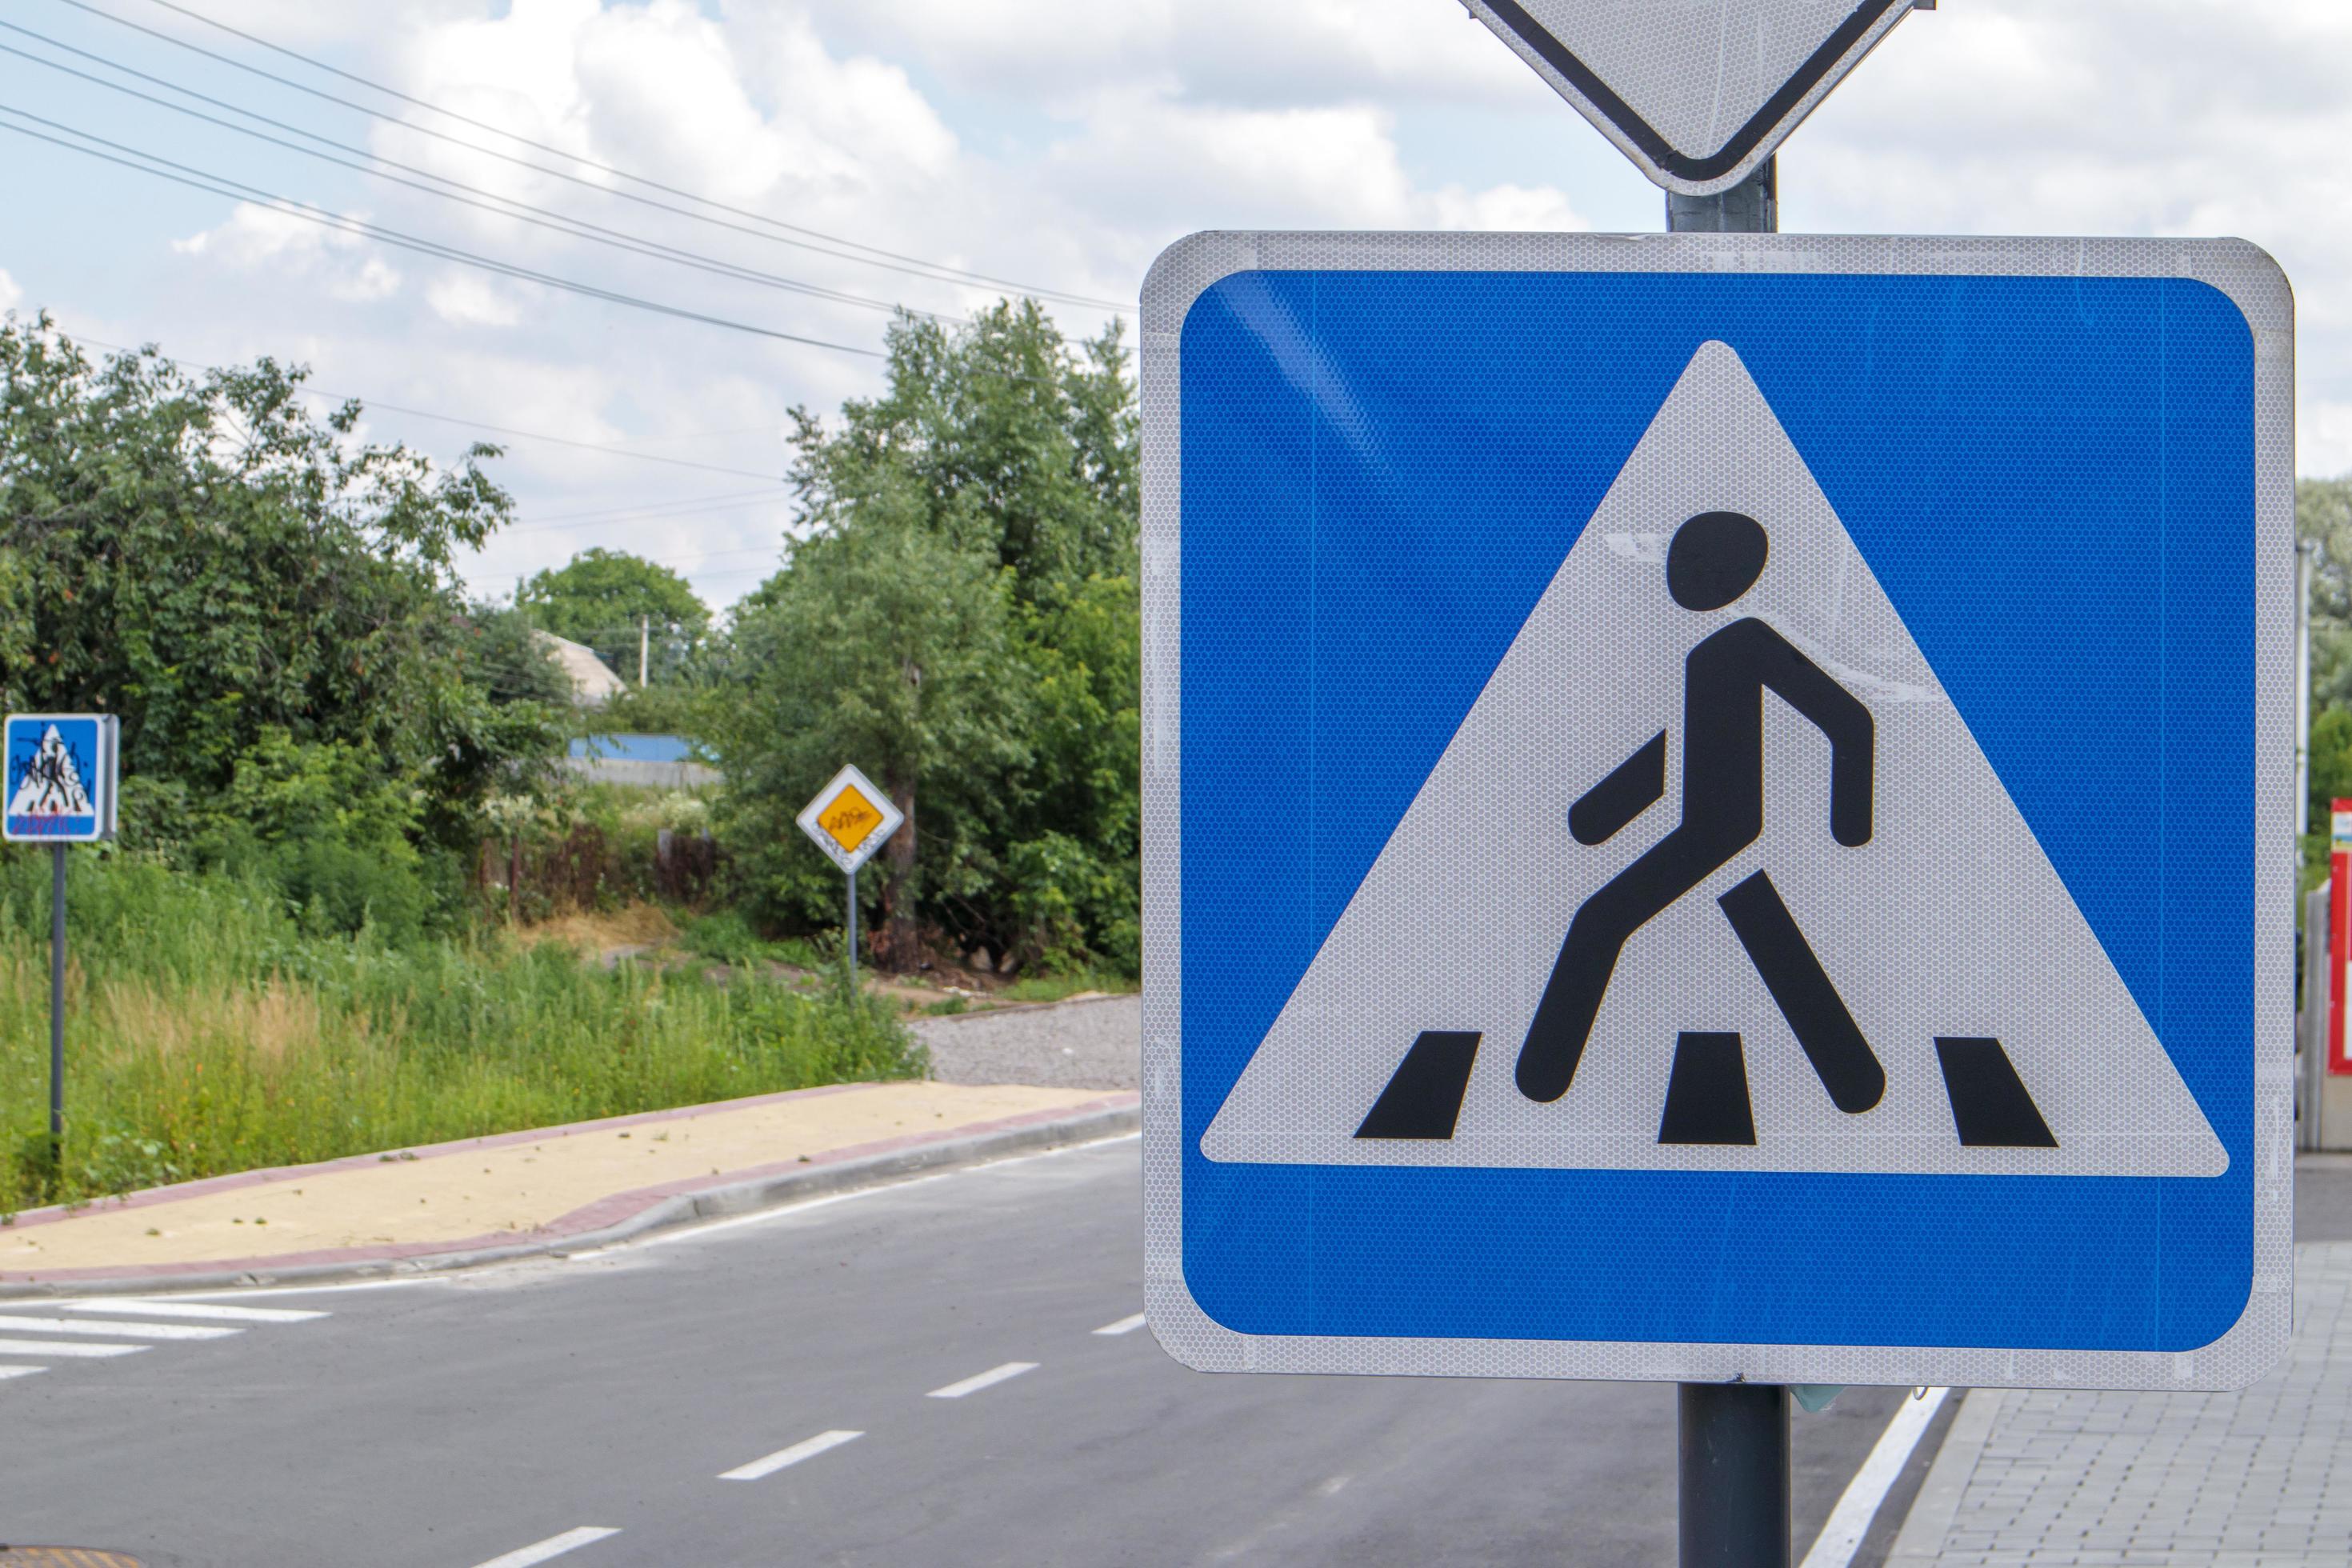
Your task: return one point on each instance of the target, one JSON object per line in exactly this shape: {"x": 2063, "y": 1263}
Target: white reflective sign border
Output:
{"x": 863, "y": 798}
{"x": 1280, "y": 1136}
{"x": 61, "y": 776}
{"x": 1695, "y": 95}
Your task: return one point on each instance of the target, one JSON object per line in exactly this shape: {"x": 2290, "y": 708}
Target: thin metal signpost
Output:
{"x": 1732, "y": 1438}
{"x": 57, "y": 1006}
{"x": 59, "y": 790}
{"x": 850, "y": 819}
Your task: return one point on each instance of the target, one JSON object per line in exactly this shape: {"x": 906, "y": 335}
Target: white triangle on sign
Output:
{"x": 1947, "y": 924}
{"x": 51, "y": 785}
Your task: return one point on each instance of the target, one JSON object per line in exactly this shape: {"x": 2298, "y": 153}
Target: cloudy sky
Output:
{"x": 880, "y": 152}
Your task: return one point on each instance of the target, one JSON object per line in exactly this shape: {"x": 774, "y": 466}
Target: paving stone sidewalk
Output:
{"x": 2146, "y": 1481}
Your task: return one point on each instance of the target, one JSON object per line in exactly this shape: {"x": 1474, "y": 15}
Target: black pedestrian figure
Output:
{"x": 1715, "y": 558}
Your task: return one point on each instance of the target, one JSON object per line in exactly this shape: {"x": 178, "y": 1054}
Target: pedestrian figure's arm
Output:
{"x": 1631, "y": 789}
{"x": 1852, "y": 735}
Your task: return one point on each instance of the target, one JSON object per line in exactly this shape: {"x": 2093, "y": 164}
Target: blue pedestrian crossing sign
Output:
{"x": 1719, "y": 806}
{"x": 61, "y": 777}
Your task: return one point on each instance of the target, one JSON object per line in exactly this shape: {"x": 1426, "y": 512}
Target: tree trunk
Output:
{"x": 899, "y": 943}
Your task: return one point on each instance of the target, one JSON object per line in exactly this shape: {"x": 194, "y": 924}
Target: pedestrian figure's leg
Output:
{"x": 1816, "y": 1013}
{"x": 1588, "y": 955}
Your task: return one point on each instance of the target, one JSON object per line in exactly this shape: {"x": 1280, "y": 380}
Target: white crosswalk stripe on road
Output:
{"x": 14, "y": 1325}
{"x": 215, "y": 1311}
{"x": 68, "y": 1348}
{"x": 118, "y": 1326}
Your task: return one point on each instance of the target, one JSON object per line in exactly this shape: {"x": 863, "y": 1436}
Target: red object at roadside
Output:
{"x": 2340, "y": 930}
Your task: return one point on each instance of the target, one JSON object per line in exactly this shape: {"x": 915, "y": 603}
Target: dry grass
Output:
{"x": 270, "y": 1024}
{"x": 601, "y": 931}
{"x": 206, "y": 1032}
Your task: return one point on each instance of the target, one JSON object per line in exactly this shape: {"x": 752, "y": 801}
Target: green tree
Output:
{"x": 2331, "y": 768}
{"x": 601, "y": 597}
{"x": 204, "y": 558}
{"x": 511, "y": 662}
{"x": 1074, "y": 855}
{"x": 998, "y": 455}
{"x": 1017, "y": 448}
{"x": 2322, "y": 519}
{"x": 885, "y": 645}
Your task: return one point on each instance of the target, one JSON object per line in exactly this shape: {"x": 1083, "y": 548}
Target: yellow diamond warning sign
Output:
{"x": 850, "y": 819}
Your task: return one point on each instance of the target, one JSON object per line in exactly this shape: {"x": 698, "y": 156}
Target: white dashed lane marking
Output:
{"x": 9, "y": 1325}
{"x": 1124, "y": 1326}
{"x": 784, "y": 1457}
{"x": 554, "y": 1546}
{"x": 989, "y": 1379}
{"x": 9, "y": 1372}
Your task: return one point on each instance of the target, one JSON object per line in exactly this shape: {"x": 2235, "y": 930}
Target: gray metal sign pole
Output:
{"x": 853, "y": 932}
{"x": 57, "y": 1009}
{"x": 1751, "y": 207}
{"x": 1732, "y": 1480}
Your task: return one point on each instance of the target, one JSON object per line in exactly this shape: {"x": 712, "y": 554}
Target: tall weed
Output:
{"x": 211, "y": 1028}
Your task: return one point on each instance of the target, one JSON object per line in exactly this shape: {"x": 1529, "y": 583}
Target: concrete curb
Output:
{"x": 718, "y": 1202}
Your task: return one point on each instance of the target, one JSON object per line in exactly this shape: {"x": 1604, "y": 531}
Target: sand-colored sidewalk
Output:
{"x": 482, "y": 1193}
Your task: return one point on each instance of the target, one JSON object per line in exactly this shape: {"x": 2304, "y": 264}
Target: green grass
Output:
{"x": 726, "y": 936}
{"x": 207, "y": 1033}
{"x": 1054, "y": 987}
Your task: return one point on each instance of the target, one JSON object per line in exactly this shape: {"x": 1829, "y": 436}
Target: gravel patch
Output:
{"x": 1094, "y": 1044}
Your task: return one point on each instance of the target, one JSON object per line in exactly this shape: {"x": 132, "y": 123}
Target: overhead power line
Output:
{"x": 620, "y": 174}
{"x": 366, "y": 402}
{"x": 236, "y": 190}
{"x": 522, "y": 211}
{"x": 564, "y": 441}
{"x": 874, "y": 255}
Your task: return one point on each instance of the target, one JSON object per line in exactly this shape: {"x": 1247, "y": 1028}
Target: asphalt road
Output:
{"x": 457, "y": 1420}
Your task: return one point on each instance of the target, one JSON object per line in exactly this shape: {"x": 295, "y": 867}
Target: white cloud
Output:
{"x": 1232, "y": 50}
{"x": 1064, "y": 142}
{"x": 10, "y": 294}
{"x": 1144, "y": 157}
{"x": 2327, "y": 445}
{"x": 469, "y": 299}
{"x": 266, "y": 240}
{"x": 306, "y": 24}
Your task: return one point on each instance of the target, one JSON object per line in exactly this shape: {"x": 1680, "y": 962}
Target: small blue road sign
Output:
{"x": 61, "y": 777}
{"x": 1638, "y": 732}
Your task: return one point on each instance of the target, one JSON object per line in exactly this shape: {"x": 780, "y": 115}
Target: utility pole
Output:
{"x": 645, "y": 640}
{"x": 2307, "y": 563}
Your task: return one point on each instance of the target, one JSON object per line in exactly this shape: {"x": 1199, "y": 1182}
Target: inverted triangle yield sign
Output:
{"x": 1698, "y": 92}
{"x": 1578, "y": 949}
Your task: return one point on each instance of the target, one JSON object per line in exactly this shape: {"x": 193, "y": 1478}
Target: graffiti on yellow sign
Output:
{"x": 849, "y": 818}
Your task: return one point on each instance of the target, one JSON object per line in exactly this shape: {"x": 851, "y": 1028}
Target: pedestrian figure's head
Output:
{"x": 1716, "y": 557}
